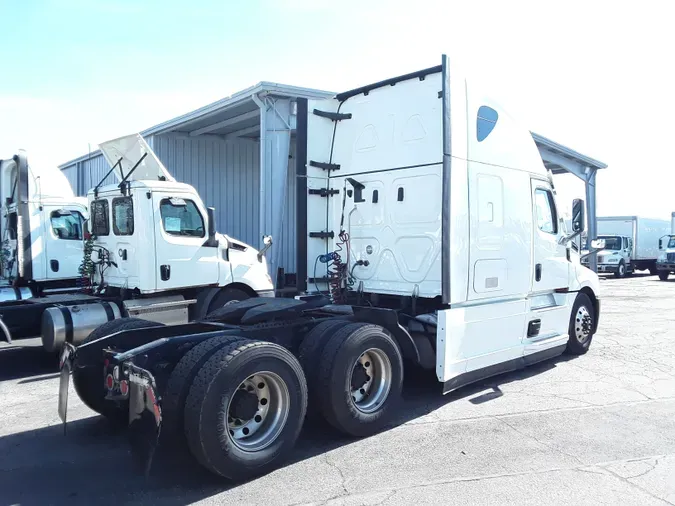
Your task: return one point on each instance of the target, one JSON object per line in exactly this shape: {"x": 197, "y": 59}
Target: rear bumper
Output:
{"x": 265, "y": 293}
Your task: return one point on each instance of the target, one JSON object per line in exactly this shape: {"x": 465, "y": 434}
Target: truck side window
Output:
{"x": 546, "y": 213}
{"x": 67, "y": 226}
{"x": 485, "y": 122}
{"x": 123, "y": 216}
{"x": 181, "y": 217}
{"x": 99, "y": 218}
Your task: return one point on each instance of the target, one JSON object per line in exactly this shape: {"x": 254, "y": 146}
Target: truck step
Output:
{"x": 325, "y": 166}
{"x": 324, "y": 192}
{"x": 334, "y": 116}
{"x": 322, "y": 235}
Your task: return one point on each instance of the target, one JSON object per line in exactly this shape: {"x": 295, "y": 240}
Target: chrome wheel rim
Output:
{"x": 257, "y": 411}
{"x": 622, "y": 270}
{"x": 370, "y": 381}
{"x": 583, "y": 324}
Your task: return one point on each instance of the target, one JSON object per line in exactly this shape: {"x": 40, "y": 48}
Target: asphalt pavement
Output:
{"x": 596, "y": 429}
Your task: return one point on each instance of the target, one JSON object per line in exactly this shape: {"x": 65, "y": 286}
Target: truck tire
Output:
{"x": 245, "y": 409}
{"x": 180, "y": 379}
{"x": 620, "y": 270}
{"x": 309, "y": 356}
{"x": 360, "y": 379}
{"x": 581, "y": 325}
{"x": 225, "y": 296}
{"x": 88, "y": 381}
{"x": 663, "y": 275}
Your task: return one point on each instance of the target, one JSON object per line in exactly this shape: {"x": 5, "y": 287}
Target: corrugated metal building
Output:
{"x": 239, "y": 155}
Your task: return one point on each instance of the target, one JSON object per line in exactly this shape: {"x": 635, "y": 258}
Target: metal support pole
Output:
{"x": 275, "y": 141}
{"x": 301, "y": 196}
{"x": 263, "y": 163}
{"x": 591, "y": 215}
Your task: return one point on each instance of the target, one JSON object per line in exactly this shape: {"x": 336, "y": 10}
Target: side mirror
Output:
{"x": 211, "y": 216}
{"x": 578, "y": 216}
{"x": 267, "y": 244}
{"x": 660, "y": 243}
{"x": 598, "y": 244}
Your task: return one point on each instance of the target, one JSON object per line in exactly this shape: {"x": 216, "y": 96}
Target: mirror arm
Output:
{"x": 261, "y": 253}
{"x": 593, "y": 252}
{"x": 570, "y": 237}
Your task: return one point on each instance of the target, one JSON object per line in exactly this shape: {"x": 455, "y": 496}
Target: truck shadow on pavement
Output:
{"x": 92, "y": 463}
{"x": 18, "y": 361}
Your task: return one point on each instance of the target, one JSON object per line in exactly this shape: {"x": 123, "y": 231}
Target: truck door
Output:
{"x": 551, "y": 268}
{"x": 180, "y": 233}
{"x": 63, "y": 241}
{"x": 550, "y": 257}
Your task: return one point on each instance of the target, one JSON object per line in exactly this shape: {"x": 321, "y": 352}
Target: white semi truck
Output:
{"x": 665, "y": 264}
{"x": 631, "y": 244}
{"x": 41, "y": 231}
{"x": 40, "y": 227}
{"x": 153, "y": 250}
{"x": 434, "y": 229}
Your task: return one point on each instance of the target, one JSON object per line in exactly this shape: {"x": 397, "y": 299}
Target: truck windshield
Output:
{"x": 671, "y": 243}
{"x": 611, "y": 242}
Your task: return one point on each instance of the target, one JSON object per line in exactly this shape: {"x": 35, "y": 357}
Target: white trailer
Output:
{"x": 631, "y": 243}
{"x": 666, "y": 261}
{"x": 436, "y": 236}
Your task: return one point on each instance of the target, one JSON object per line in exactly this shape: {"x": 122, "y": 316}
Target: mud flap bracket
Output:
{"x": 145, "y": 416}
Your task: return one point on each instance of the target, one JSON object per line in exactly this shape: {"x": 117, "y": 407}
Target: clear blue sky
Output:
{"x": 596, "y": 76}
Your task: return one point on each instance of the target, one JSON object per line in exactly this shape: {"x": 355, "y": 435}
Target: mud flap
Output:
{"x": 145, "y": 417}
{"x": 66, "y": 366}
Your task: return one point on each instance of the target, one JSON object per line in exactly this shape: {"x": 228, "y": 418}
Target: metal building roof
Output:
{"x": 237, "y": 115}
{"x": 546, "y": 145}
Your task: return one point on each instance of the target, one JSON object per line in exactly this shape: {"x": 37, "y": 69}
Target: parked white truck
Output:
{"x": 434, "y": 227}
{"x": 666, "y": 261}
{"x": 40, "y": 227}
{"x": 631, "y": 244}
{"x": 153, "y": 252}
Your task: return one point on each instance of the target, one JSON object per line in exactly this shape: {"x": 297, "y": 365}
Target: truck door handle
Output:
{"x": 537, "y": 272}
{"x": 165, "y": 272}
{"x": 54, "y": 264}
{"x": 123, "y": 253}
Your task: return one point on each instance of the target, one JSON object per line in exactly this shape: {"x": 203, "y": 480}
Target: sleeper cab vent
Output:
{"x": 237, "y": 246}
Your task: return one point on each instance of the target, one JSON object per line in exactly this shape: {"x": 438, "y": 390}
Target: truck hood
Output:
{"x": 128, "y": 150}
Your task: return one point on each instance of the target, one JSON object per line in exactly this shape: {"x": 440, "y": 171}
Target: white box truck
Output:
{"x": 436, "y": 236}
{"x": 631, "y": 244}
{"x": 665, "y": 264}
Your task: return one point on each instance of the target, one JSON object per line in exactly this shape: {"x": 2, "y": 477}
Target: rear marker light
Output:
{"x": 109, "y": 382}
{"x": 124, "y": 387}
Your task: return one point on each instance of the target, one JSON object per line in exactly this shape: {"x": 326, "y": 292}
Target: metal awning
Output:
{"x": 563, "y": 160}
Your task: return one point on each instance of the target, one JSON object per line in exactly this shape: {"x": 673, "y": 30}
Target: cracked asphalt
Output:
{"x": 598, "y": 429}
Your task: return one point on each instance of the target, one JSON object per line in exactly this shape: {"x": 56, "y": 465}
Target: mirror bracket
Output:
{"x": 267, "y": 244}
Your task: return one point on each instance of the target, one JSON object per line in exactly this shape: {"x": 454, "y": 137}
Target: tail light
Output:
{"x": 109, "y": 382}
